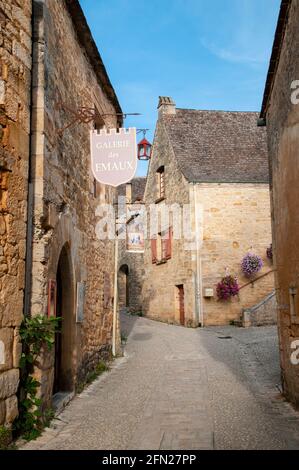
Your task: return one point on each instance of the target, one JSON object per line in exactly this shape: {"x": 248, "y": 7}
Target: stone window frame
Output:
{"x": 160, "y": 181}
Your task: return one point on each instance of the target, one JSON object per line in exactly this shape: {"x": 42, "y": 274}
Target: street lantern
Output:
{"x": 144, "y": 150}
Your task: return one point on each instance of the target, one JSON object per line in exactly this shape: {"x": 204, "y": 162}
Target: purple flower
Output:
{"x": 251, "y": 264}
{"x": 270, "y": 252}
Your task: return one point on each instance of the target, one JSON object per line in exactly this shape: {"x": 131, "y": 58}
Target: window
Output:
{"x": 162, "y": 247}
{"x": 160, "y": 183}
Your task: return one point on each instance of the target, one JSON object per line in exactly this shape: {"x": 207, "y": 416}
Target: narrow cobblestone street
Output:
{"x": 179, "y": 388}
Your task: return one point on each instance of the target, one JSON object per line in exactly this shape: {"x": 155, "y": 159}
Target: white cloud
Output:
{"x": 235, "y": 54}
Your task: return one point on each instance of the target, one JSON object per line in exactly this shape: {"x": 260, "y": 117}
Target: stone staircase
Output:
{"x": 262, "y": 314}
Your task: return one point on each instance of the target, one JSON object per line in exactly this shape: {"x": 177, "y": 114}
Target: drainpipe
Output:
{"x": 198, "y": 288}
{"x": 30, "y": 188}
{"x": 115, "y": 300}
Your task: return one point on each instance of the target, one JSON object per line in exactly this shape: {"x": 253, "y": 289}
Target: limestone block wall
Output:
{"x": 283, "y": 142}
{"x": 159, "y": 293}
{"x": 233, "y": 218}
{"x": 135, "y": 264}
{"x": 130, "y": 282}
{"x": 15, "y": 80}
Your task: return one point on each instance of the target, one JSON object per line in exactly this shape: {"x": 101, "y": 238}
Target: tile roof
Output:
{"x": 218, "y": 146}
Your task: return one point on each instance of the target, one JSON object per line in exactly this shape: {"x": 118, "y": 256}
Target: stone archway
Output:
{"x": 123, "y": 286}
{"x": 65, "y": 339}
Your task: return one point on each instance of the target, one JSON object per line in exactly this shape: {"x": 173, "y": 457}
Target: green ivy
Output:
{"x": 5, "y": 437}
{"x": 36, "y": 333}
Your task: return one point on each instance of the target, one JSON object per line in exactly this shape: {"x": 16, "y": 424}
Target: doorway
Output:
{"x": 64, "y": 339}
{"x": 181, "y": 303}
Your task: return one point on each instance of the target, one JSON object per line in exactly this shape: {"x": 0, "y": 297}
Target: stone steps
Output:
{"x": 262, "y": 314}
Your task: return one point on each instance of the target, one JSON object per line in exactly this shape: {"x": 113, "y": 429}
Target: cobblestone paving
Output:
{"x": 178, "y": 388}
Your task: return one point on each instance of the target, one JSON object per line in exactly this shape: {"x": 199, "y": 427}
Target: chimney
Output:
{"x": 166, "y": 105}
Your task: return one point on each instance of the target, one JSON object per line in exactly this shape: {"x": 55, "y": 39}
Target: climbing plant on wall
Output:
{"x": 37, "y": 333}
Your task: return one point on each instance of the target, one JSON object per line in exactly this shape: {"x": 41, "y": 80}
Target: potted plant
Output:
{"x": 270, "y": 253}
{"x": 251, "y": 264}
{"x": 227, "y": 288}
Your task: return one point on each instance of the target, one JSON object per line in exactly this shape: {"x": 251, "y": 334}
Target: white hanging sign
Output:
{"x": 113, "y": 155}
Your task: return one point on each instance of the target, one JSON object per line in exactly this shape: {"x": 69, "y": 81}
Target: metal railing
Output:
{"x": 257, "y": 279}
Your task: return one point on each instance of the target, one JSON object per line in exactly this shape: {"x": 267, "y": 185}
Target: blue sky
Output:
{"x": 205, "y": 54}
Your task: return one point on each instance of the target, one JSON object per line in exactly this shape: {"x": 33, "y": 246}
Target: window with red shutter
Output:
{"x": 164, "y": 243}
{"x": 154, "y": 251}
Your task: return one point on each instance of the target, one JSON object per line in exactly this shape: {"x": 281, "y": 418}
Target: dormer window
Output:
{"x": 160, "y": 175}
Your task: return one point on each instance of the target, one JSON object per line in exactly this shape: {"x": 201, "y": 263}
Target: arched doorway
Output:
{"x": 123, "y": 286}
{"x": 64, "y": 340}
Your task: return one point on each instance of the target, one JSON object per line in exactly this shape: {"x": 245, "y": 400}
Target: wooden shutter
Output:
{"x": 154, "y": 251}
{"x": 162, "y": 183}
{"x": 169, "y": 244}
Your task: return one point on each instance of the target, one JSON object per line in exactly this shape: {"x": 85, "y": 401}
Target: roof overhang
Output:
{"x": 275, "y": 56}
{"x": 87, "y": 42}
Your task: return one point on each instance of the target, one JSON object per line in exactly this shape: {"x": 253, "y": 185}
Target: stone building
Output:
{"x": 280, "y": 112}
{"x": 212, "y": 168}
{"x": 131, "y": 247}
{"x": 69, "y": 271}
{"x": 15, "y": 80}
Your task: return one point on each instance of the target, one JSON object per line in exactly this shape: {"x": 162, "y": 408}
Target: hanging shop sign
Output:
{"x": 113, "y": 155}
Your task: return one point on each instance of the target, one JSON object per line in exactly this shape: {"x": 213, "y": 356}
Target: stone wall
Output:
{"x": 15, "y": 79}
{"x": 130, "y": 283}
{"x": 234, "y": 218}
{"x": 227, "y": 219}
{"x": 134, "y": 262}
{"x": 65, "y": 195}
{"x": 283, "y": 140}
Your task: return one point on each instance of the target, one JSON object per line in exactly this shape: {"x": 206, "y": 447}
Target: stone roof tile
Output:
{"x": 138, "y": 188}
{"x": 218, "y": 146}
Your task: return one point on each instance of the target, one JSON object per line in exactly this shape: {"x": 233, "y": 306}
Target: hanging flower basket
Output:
{"x": 251, "y": 264}
{"x": 228, "y": 287}
{"x": 270, "y": 253}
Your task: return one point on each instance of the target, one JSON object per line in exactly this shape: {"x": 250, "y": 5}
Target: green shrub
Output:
{"x": 36, "y": 333}
{"x": 5, "y": 437}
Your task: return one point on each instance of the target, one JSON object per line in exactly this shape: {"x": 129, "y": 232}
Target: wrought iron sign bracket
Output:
{"x": 85, "y": 115}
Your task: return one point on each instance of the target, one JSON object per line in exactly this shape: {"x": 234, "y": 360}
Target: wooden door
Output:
{"x": 182, "y": 304}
